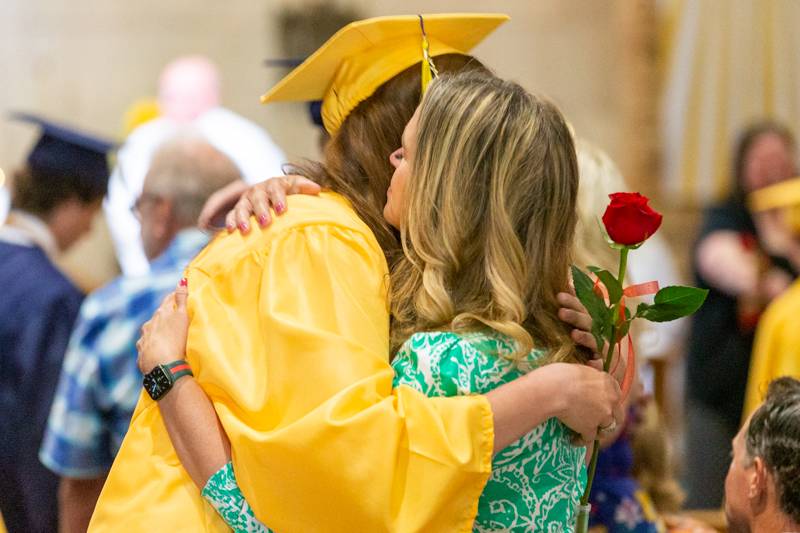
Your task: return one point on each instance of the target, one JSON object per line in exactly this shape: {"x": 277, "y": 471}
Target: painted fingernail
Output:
{"x": 230, "y": 227}
{"x": 262, "y": 219}
{"x": 184, "y": 282}
{"x": 280, "y": 208}
{"x": 243, "y": 226}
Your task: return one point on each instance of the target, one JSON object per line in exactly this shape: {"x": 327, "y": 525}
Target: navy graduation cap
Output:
{"x": 64, "y": 152}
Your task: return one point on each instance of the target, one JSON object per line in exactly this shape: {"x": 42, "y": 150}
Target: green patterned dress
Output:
{"x": 537, "y": 481}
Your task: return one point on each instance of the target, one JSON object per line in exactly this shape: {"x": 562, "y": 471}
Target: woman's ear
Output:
{"x": 163, "y": 218}
{"x": 757, "y": 481}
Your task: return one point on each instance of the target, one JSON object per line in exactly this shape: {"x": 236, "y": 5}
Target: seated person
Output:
{"x": 762, "y": 490}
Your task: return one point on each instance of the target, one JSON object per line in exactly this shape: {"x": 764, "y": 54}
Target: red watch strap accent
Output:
{"x": 176, "y": 369}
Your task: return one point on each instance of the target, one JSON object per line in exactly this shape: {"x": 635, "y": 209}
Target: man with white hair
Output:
{"x": 188, "y": 96}
{"x": 100, "y": 382}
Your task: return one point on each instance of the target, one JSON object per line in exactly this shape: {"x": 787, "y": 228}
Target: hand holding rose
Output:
{"x": 628, "y": 221}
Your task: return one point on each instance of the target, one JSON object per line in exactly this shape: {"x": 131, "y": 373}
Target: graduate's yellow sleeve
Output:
{"x": 320, "y": 441}
{"x": 289, "y": 337}
{"x": 776, "y": 349}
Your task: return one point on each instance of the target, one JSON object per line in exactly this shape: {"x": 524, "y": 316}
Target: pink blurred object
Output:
{"x": 187, "y": 88}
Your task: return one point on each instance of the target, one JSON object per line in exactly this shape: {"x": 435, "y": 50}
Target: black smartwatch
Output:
{"x": 160, "y": 380}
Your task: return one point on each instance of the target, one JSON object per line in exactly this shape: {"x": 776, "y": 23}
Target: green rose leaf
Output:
{"x": 594, "y": 304}
{"x": 611, "y": 283}
{"x": 672, "y": 303}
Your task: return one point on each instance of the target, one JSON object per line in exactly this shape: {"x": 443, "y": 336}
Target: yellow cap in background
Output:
{"x": 365, "y": 54}
{"x": 139, "y": 112}
{"x": 784, "y": 195}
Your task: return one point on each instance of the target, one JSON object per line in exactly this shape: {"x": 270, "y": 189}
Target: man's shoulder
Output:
{"x": 151, "y": 132}
{"x": 111, "y": 319}
{"x": 27, "y": 274}
{"x": 129, "y": 296}
{"x": 325, "y": 214}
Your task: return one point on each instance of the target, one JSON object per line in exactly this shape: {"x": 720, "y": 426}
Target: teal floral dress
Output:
{"x": 225, "y": 496}
{"x": 535, "y": 483}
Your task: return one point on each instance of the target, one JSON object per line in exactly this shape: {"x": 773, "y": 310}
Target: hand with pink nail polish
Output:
{"x": 218, "y": 204}
{"x": 254, "y": 201}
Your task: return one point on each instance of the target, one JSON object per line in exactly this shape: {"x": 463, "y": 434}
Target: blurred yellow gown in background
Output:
{"x": 776, "y": 350}
{"x": 289, "y": 337}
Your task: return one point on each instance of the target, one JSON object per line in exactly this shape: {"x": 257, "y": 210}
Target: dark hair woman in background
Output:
{"x": 745, "y": 260}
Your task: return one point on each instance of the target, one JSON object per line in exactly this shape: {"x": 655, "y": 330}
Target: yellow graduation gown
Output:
{"x": 289, "y": 338}
{"x": 776, "y": 350}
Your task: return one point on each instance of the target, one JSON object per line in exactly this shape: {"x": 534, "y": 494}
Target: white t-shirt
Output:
{"x": 246, "y": 143}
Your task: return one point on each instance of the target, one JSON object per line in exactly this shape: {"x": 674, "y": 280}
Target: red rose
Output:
{"x": 629, "y": 220}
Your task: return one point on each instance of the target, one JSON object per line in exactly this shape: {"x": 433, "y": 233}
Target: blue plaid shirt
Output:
{"x": 100, "y": 382}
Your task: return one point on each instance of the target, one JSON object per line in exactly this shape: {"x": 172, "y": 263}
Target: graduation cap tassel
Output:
{"x": 428, "y": 68}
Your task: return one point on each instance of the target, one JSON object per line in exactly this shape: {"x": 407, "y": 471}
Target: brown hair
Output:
{"x": 490, "y": 216}
{"x": 39, "y": 192}
{"x": 653, "y": 464}
{"x": 747, "y": 138}
{"x": 357, "y": 155}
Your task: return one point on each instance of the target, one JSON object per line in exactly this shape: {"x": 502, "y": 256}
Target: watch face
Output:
{"x": 157, "y": 382}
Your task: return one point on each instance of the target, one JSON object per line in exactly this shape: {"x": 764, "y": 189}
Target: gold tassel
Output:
{"x": 428, "y": 68}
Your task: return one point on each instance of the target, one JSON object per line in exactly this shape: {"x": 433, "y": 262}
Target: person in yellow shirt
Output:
{"x": 289, "y": 337}
{"x": 776, "y": 349}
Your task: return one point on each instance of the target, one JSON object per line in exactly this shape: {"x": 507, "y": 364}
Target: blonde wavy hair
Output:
{"x": 490, "y": 217}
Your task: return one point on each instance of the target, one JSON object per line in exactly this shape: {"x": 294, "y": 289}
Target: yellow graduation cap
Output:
{"x": 783, "y": 195}
{"x": 365, "y": 54}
